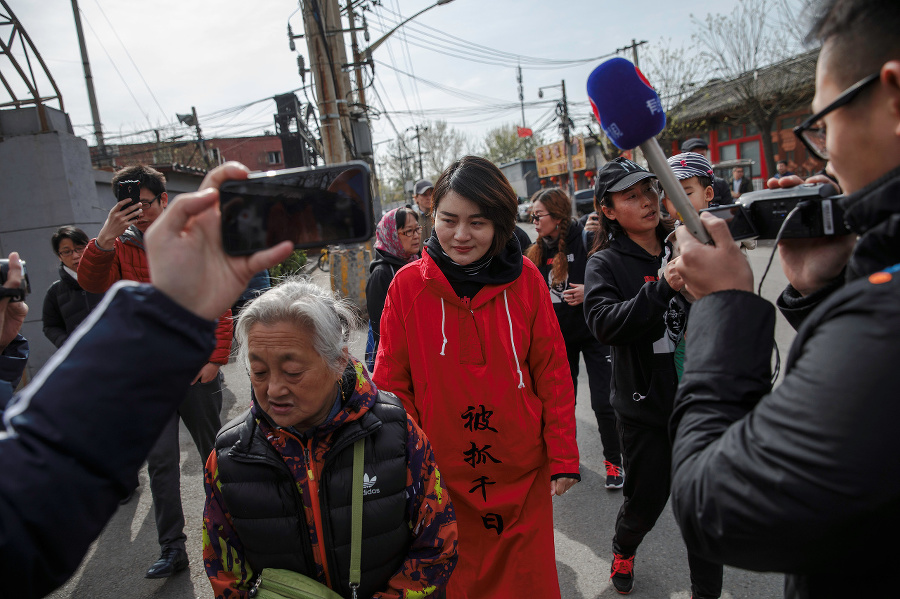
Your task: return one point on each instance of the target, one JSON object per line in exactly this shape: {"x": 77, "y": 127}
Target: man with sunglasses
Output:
{"x": 118, "y": 253}
{"x": 803, "y": 478}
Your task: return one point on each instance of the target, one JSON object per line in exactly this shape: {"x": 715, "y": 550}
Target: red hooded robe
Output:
{"x": 488, "y": 381}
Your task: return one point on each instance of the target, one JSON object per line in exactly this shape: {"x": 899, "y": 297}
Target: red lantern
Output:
{"x": 554, "y": 179}
{"x": 588, "y": 174}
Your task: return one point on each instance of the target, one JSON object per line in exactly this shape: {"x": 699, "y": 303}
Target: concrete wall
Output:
{"x": 46, "y": 181}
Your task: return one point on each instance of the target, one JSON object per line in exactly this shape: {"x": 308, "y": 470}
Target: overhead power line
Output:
{"x": 444, "y": 43}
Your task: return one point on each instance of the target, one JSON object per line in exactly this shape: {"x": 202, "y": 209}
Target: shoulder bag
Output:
{"x": 274, "y": 583}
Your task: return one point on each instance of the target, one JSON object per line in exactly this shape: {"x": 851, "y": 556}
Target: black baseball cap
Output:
{"x": 617, "y": 175}
{"x": 695, "y": 143}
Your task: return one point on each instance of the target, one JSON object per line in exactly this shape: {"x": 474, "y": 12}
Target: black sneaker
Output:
{"x": 615, "y": 476}
{"x": 622, "y": 573}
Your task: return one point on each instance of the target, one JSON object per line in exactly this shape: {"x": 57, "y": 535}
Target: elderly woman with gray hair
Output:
{"x": 278, "y": 485}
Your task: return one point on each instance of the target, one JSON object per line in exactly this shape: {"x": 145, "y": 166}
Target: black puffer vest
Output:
{"x": 264, "y": 502}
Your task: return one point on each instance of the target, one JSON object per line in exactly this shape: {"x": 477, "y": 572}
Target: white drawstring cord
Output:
{"x": 442, "y": 328}
{"x": 513, "y": 341}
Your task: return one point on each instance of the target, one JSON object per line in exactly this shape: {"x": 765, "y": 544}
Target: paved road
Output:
{"x": 115, "y": 566}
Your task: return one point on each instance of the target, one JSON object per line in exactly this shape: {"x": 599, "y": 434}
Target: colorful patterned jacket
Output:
{"x": 428, "y": 517}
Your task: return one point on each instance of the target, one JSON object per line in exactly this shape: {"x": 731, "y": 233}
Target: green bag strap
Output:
{"x": 356, "y": 522}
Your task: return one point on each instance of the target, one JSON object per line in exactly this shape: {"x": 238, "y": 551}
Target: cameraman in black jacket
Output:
{"x": 805, "y": 478}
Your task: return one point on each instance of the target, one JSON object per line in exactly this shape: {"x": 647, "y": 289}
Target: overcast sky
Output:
{"x": 155, "y": 58}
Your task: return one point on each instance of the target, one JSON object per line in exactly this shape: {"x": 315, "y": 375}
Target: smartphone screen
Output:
{"x": 312, "y": 207}
{"x": 129, "y": 190}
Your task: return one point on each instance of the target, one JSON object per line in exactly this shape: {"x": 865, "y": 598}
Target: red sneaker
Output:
{"x": 622, "y": 573}
{"x": 615, "y": 476}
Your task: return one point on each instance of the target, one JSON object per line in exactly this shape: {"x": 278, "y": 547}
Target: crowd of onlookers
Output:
{"x": 429, "y": 467}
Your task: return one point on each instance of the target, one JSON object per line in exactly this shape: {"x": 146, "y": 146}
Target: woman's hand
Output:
{"x": 574, "y": 295}
{"x": 561, "y": 485}
{"x": 671, "y": 274}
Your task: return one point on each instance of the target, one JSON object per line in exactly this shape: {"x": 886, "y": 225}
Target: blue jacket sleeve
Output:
{"x": 77, "y": 434}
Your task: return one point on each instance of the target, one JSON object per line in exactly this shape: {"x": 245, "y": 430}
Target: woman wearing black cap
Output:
{"x": 628, "y": 304}
{"x": 561, "y": 258}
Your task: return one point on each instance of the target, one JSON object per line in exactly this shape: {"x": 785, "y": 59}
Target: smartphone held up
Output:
{"x": 129, "y": 190}
{"x": 309, "y": 206}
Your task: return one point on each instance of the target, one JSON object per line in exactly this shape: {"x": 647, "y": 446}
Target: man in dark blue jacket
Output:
{"x": 804, "y": 478}
{"x": 75, "y": 437}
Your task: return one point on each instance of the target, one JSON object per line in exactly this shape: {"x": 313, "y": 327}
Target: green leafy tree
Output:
{"x": 292, "y": 265}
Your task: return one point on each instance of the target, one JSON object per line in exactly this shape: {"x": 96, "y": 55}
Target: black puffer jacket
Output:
{"x": 805, "y": 478}
{"x": 267, "y": 510}
{"x": 381, "y": 272}
{"x": 66, "y": 305}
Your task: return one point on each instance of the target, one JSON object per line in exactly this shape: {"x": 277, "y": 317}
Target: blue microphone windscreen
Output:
{"x": 625, "y": 103}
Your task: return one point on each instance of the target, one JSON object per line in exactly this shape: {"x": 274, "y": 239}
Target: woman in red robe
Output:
{"x": 472, "y": 346}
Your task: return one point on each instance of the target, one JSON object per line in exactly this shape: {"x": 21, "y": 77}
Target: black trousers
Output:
{"x": 200, "y": 412}
{"x": 596, "y": 361}
{"x": 648, "y": 480}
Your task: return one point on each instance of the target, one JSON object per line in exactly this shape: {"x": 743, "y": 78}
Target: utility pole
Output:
{"x": 634, "y": 50}
{"x": 521, "y": 95}
{"x": 357, "y": 57}
{"x": 191, "y": 120}
{"x": 568, "y": 139}
{"x": 327, "y": 53}
{"x": 200, "y": 137}
{"x": 419, "y": 130}
{"x": 89, "y": 80}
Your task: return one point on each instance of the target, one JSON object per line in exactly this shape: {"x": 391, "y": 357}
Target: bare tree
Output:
{"x": 674, "y": 72}
{"x": 739, "y": 46}
{"x": 442, "y": 145}
{"x": 399, "y": 161}
{"x": 502, "y": 144}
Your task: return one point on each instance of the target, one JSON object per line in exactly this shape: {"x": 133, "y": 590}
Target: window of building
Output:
{"x": 215, "y": 156}
{"x": 727, "y": 152}
{"x": 724, "y": 133}
{"x": 752, "y": 129}
{"x": 274, "y": 157}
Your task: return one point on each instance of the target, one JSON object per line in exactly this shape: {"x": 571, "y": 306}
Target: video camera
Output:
{"x": 16, "y": 295}
{"x": 761, "y": 214}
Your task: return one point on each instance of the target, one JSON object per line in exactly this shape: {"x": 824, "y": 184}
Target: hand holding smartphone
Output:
{"x": 311, "y": 207}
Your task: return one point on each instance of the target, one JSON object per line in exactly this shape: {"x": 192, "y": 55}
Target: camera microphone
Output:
{"x": 630, "y": 112}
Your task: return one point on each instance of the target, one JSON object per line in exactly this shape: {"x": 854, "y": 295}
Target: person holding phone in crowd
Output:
{"x": 73, "y": 440}
{"x": 118, "y": 253}
{"x": 561, "y": 258}
{"x": 471, "y": 345}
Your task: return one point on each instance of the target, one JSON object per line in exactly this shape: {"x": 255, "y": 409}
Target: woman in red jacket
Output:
{"x": 470, "y": 343}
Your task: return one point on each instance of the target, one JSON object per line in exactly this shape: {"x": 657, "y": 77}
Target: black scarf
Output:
{"x": 468, "y": 280}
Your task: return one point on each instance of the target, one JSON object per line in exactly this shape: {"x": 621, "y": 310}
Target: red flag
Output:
{"x": 524, "y": 132}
